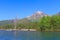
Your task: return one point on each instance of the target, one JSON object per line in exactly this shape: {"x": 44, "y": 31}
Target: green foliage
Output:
{"x": 8, "y": 26}
{"x": 55, "y": 21}
{"x": 45, "y": 23}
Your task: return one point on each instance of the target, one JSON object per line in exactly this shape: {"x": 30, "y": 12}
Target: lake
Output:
{"x": 28, "y": 35}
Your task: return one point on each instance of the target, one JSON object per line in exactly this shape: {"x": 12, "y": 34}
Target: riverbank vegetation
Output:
{"x": 46, "y": 23}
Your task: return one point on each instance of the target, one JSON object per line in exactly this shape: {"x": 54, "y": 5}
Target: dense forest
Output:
{"x": 46, "y": 23}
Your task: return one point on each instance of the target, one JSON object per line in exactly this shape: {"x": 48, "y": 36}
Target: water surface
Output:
{"x": 28, "y": 35}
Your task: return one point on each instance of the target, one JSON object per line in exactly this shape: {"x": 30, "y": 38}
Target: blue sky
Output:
{"x": 9, "y": 9}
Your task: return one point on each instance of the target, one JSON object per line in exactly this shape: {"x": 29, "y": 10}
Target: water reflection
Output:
{"x": 21, "y": 35}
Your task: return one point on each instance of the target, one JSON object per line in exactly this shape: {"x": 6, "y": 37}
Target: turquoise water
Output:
{"x": 21, "y": 35}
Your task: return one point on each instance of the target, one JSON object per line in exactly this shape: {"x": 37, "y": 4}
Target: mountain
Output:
{"x": 35, "y": 17}
{"x": 5, "y": 22}
{"x": 58, "y": 13}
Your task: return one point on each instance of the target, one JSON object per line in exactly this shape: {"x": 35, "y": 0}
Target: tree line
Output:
{"x": 46, "y": 23}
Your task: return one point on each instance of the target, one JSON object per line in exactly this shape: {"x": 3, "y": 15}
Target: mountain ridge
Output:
{"x": 35, "y": 16}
